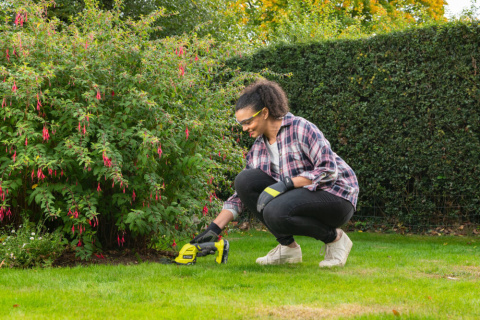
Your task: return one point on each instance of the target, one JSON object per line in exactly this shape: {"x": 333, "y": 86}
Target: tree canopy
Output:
{"x": 313, "y": 19}
{"x": 271, "y": 20}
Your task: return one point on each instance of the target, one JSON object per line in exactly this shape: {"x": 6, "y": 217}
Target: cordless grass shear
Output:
{"x": 189, "y": 252}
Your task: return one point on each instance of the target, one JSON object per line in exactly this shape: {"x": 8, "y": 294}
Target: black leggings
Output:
{"x": 300, "y": 211}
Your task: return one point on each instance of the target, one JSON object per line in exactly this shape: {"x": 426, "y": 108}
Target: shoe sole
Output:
{"x": 293, "y": 260}
{"x": 288, "y": 260}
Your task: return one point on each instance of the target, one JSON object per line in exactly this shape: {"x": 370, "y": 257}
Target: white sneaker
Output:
{"x": 336, "y": 253}
{"x": 282, "y": 254}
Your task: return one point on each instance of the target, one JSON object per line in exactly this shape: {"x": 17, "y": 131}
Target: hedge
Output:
{"x": 402, "y": 109}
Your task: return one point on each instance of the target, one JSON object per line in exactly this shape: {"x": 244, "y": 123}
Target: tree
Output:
{"x": 181, "y": 16}
{"x": 293, "y": 20}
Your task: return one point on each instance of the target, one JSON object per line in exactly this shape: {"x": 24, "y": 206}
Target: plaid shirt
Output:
{"x": 303, "y": 152}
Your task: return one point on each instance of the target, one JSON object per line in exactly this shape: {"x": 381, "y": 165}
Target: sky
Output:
{"x": 455, "y": 7}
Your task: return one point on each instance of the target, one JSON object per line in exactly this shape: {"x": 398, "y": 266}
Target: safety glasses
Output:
{"x": 249, "y": 120}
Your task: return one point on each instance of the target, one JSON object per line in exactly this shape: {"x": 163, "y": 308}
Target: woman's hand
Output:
{"x": 215, "y": 228}
{"x": 301, "y": 182}
{"x": 274, "y": 191}
{"x": 208, "y": 235}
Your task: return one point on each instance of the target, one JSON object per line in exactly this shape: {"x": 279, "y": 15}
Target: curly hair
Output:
{"x": 264, "y": 94}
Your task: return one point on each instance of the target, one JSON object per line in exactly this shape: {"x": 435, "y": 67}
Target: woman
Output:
{"x": 293, "y": 181}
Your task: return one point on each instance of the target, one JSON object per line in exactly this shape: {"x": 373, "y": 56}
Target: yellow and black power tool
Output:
{"x": 189, "y": 253}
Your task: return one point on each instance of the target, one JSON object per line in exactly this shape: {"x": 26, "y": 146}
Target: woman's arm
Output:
{"x": 223, "y": 218}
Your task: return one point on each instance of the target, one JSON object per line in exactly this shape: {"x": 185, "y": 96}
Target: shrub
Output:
{"x": 116, "y": 139}
{"x": 29, "y": 246}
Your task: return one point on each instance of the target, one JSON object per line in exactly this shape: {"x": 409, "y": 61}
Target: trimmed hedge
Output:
{"x": 403, "y": 109}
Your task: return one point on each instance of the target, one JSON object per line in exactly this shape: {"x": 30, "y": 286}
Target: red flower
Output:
{"x": 133, "y": 195}
{"x": 14, "y": 88}
{"x": 174, "y": 244}
{"x": 8, "y": 56}
{"x": 39, "y": 104}
{"x": 182, "y": 70}
{"x": 40, "y": 174}
{"x": 205, "y": 210}
{"x": 106, "y": 161}
{"x": 14, "y": 155}
{"x": 159, "y": 150}
{"x": 46, "y": 136}
{"x": 186, "y": 133}
{"x": 3, "y": 194}
{"x": 196, "y": 58}
{"x": 99, "y": 96}
{"x": 121, "y": 241}
{"x": 98, "y": 188}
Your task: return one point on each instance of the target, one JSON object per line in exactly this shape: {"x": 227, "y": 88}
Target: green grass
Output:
{"x": 417, "y": 276}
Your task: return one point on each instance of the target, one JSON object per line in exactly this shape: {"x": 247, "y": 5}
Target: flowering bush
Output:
{"x": 116, "y": 139}
{"x": 29, "y": 247}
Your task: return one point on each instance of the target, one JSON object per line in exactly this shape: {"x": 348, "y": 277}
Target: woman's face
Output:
{"x": 251, "y": 121}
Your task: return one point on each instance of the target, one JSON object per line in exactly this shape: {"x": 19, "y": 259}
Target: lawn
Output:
{"x": 387, "y": 276}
